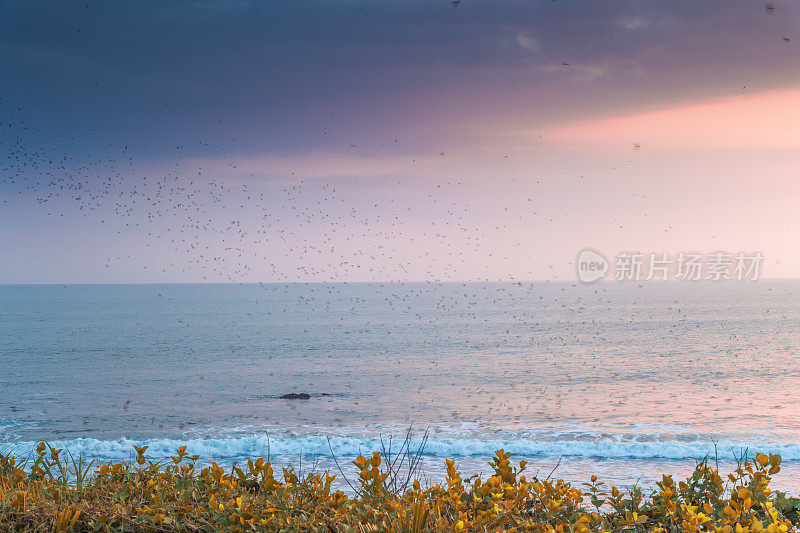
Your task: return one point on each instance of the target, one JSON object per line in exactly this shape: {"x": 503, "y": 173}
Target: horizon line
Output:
{"x": 419, "y": 282}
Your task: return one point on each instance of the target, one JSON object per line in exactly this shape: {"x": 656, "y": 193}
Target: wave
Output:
{"x": 9, "y": 426}
{"x": 222, "y": 449}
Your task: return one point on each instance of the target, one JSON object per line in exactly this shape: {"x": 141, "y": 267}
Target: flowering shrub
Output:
{"x": 57, "y": 493}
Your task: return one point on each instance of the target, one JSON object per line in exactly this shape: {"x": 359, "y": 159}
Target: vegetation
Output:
{"x": 52, "y": 491}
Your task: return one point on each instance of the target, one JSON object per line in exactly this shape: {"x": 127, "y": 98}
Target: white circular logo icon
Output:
{"x": 591, "y": 266}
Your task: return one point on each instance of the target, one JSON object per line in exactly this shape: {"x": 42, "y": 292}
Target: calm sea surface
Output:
{"x": 623, "y": 380}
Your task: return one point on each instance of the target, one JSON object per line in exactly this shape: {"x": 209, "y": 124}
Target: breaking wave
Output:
{"x": 285, "y": 446}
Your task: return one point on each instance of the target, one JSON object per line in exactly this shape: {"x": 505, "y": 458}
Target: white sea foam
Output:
{"x": 347, "y": 447}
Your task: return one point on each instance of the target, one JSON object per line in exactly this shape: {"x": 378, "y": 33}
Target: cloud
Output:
{"x": 527, "y": 42}
{"x": 634, "y": 23}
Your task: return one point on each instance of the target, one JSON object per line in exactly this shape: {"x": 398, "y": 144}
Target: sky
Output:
{"x": 347, "y": 140}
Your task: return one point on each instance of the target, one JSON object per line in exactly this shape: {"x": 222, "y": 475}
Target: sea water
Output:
{"x": 623, "y": 380}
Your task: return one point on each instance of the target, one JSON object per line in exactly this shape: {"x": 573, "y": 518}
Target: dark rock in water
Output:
{"x": 295, "y": 396}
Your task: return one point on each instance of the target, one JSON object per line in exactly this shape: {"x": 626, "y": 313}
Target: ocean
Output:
{"x": 623, "y": 380}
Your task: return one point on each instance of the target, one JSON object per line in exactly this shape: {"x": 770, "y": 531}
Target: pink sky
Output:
{"x": 746, "y": 121}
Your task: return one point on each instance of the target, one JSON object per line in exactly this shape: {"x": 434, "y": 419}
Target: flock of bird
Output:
{"x": 198, "y": 222}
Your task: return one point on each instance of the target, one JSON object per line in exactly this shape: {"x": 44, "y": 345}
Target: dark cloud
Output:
{"x": 285, "y": 77}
